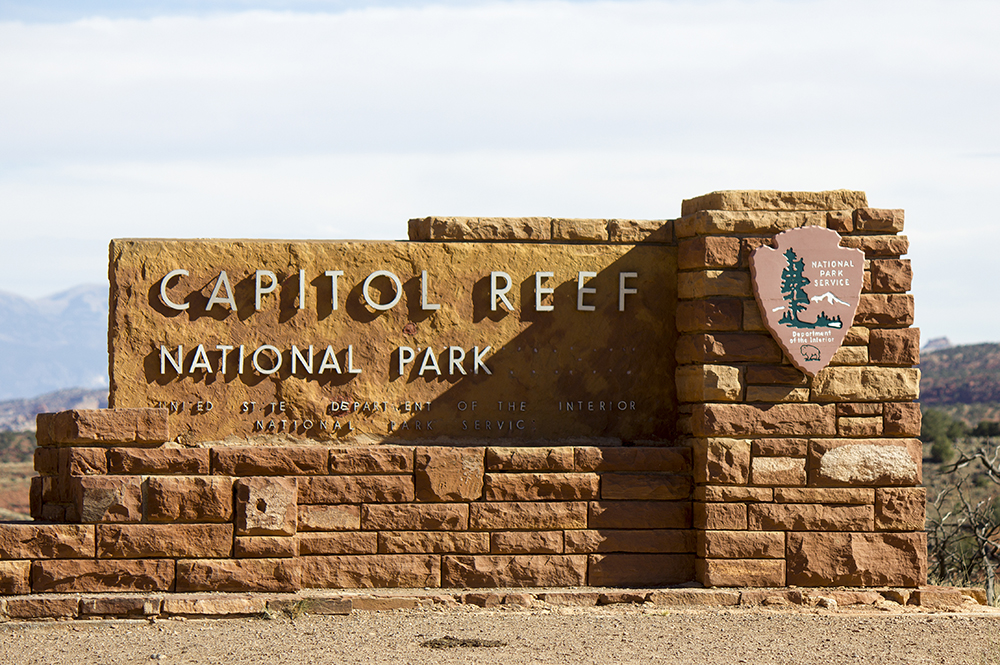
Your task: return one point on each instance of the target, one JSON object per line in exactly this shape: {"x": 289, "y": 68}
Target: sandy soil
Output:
{"x": 613, "y": 634}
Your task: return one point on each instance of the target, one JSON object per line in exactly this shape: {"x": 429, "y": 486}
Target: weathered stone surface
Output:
{"x": 264, "y": 547}
{"x": 15, "y": 578}
{"x": 640, "y": 570}
{"x": 189, "y": 499}
{"x": 841, "y": 221}
{"x": 83, "y": 462}
{"x": 766, "y": 199}
{"x": 433, "y": 542}
{"x": 108, "y": 498}
{"x": 857, "y": 335}
{"x": 213, "y": 606}
{"x": 936, "y": 598}
{"x": 857, "y": 559}
{"x": 47, "y": 461}
{"x": 694, "y": 598}
{"x": 713, "y": 314}
{"x": 732, "y": 493}
{"x": 530, "y": 459}
{"x": 741, "y": 544}
{"x": 322, "y": 606}
{"x": 636, "y": 230}
{"x": 634, "y": 458}
{"x": 594, "y": 230}
{"x": 895, "y": 346}
{"x": 862, "y": 427}
{"x": 703, "y": 252}
{"x": 386, "y": 604}
{"x": 270, "y": 461}
{"x": 877, "y": 220}
{"x": 266, "y": 506}
{"x": 779, "y": 447}
{"x": 622, "y": 597}
{"x": 845, "y": 495}
{"x": 859, "y": 409}
{"x": 449, "y": 474}
{"x": 513, "y": 571}
{"x": 339, "y": 542}
{"x": 528, "y": 515}
{"x": 356, "y": 489}
{"x": 645, "y": 486}
{"x": 244, "y": 575}
{"x": 128, "y": 606}
{"x": 372, "y": 571}
{"x": 872, "y": 462}
{"x": 726, "y": 348}
{"x": 571, "y": 598}
{"x": 900, "y": 508}
{"x": 481, "y": 228}
{"x": 775, "y": 394}
{"x": 34, "y": 608}
{"x": 540, "y": 486}
{"x": 526, "y": 542}
{"x": 151, "y": 541}
{"x": 809, "y": 517}
{"x": 741, "y": 572}
{"x": 371, "y": 459}
{"x": 101, "y": 576}
{"x": 45, "y": 541}
{"x": 136, "y": 425}
{"x": 893, "y": 310}
{"x": 721, "y": 461}
{"x": 778, "y": 471}
{"x": 586, "y": 541}
{"x": 752, "y": 319}
{"x": 415, "y": 517}
{"x": 850, "y": 355}
{"x": 775, "y": 374}
{"x": 901, "y": 419}
{"x": 891, "y": 276}
{"x": 639, "y": 515}
{"x": 752, "y": 420}
{"x": 712, "y": 222}
{"x": 709, "y": 383}
{"x": 720, "y": 516}
{"x": 713, "y": 284}
{"x": 329, "y": 518}
{"x": 866, "y": 384}
{"x": 159, "y": 461}
{"x": 878, "y": 246}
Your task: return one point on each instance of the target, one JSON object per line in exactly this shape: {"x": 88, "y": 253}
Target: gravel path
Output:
{"x": 560, "y": 635}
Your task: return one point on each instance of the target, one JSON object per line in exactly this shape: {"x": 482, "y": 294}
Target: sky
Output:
{"x": 343, "y": 119}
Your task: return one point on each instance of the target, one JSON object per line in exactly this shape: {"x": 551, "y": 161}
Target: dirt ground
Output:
{"x": 612, "y": 634}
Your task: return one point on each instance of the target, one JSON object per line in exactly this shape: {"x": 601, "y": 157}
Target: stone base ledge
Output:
{"x": 41, "y": 607}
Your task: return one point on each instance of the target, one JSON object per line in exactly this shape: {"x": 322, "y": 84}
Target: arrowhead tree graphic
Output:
{"x": 793, "y": 284}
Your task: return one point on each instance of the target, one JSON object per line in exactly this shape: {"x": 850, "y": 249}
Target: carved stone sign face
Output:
{"x": 375, "y": 341}
{"x": 808, "y": 288}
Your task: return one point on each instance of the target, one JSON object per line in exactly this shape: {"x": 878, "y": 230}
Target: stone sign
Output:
{"x": 808, "y": 288}
{"x": 372, "y": 341}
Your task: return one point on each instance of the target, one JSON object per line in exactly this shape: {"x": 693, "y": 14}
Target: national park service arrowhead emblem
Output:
{"x": 808, "y": 288}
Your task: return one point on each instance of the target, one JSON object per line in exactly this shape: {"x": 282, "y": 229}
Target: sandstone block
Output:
{"x": 752, "y": 319}
{"x": 449, "y": 474}
{"x": 878, "y": 246}
{"x": 34, "y": 608}
{"x": 25, "y": 540}
{"x": 517, "y": 515}
{"x": 481, "y": 228}
{"x": 15, "y": 578}
{"x": 102, "y": 575}
{"x": 128, "y": 606}
{"x": 540, "y": 486}
{"x": 859, "y": 409}
{"x": 526, "y": 542}
{"x": 714, "y": 314}
{"x": 741, "y": 572}
{"x": 240, "y": 575}
{"x": 270, "y": 461}
{"x": 83, "y": 462}
{"x": 901, "y": 419}
{"x": 900, "y": 508}
{"x": 709, "y": 383}
{"x": 371, "y": 460}
{"x": 844, "y": 495}
{"x": 810, "y": 517}
{"x": 732, "y": 493}
{"x": 860, "y": 427}
{"x": 703, "y": 252}
{"x": 264, "y": 547}
{"x": 878, "y": 220}
{"x": 857, "y": 335}
{"x": 775, "y": 374}
{"x": 587, "y": 541}
{"x": 356, "y": 489}
{"x": 838, "y": 199}
{"x": 775, "y": 394}
{"x": 622, "y": 598}
{"x": 526, "y": 570}
{"x": 592, "y": 230}
{"x": 213, "y": 606}
{"x": 645, "y": 486}
{"x": 720, "y": 516}
{"x": 850, "y": 355}
{"x": 159, "y": 461}
{"x": 634, "y": 458}
{"x": 529, "y": 459}
{"x": 936, "y": 598}
{"x": 779, "y": 447}
{"x": 726, "y": 348}
{"x": 841, "y": 221}
{"x": 570, "y": 598}
{"x": 871, "y": 462}
{"x": 741, "y": 544}
{"x": 891, "y": 275}
{"x": 266, "y": 506}
{"x": 778, "y": 471}
{"x": 713, "y": 284}
{"x": 896, "y": 346}
{"x": 857, "y": 559}
{"x": 639, "y": 570}
{"x": 779, "y": 420}
{"x": 722, "y": 461}
{"x": 892, "y": 310}
{"x": 108, "y": 498}
{"x": 724, "y": 223}
{"x": 47, "y": 461}
{"x": 338, "y": 542}
{"x": 189, "y": 499}
{"x": 372, "y": 571}
{"x": 106, "y": 426}
{"x": 152, "y": 541}
{"x": 415, "y": 517}
{"x": 694, "y": 598}
{"x": 866, "y": 384}
{"x": 636, "y": 230}
{"x": 638, "y": 515}
{"x": 432, "y": 542}
{"x": 329, "y": 518}
{"x": 321, "y": 606}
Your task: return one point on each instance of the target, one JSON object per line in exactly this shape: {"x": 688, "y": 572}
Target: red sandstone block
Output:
{"x": 763, "y": 375}
{"x": 860, "y": 427}
{"x": 639, "y": 515}
{"x": 741, "y": 572}
{"x": 159, "y": 461}
{"x": 634, "y": 458}
{"x": 721, "y": 516}
{"x": 243, "y": 575}
{"x": 101, "y": 576}
{"x": 108, "y": 498}
{"x": 189, "y": 499}
{"x": 900, "y": 508}
{"x": 713, "y": 314}
{"x": 810, "y": 517}
{"x": 34, "y": 608}
{"x": 338, "y": 542}
{"x": 622, "y": 598}
{"x": 151, "y": 541}
{"x": 415, "y": 517}
{"x": 885, "y": 310}
{"x": 895, "y": 347}
{"x": 901, "y": 419}
{"x": 645, "y": 486}
{"x": 936, "y": 598}
{"x": 356, "y": 489}
{"x": 266, "y": 506}
{"x": 24, "y": 540}
{"x": 732, "y": 494}
{"x": 859, "y": 409}
{"x": 694, "y": 598}
{"x": 841, "y": 221}
{"x": 433, "y": 542}
{"x": 865, "y": 462}
{"x": 107, "y": 426}
{"x": 270, "y": 461}
{"x": 513, "y": 571}
{"x": 264, "y": 547}
{"x": 529, "y": 459}
{"x": 449, "y": 474}
{"x": 878, "y": 246}
{"x": 846, "y": 495}
{"x": 640, "y": 230}
{"x": 320, "y": 606}
{"x": 329, "y": 518}
{"x": 82, "y": 462}
{"x": 721, "y": 461}
{"x": 779, "y": 447}
{"x": 518, "y": 515}
{"x": 741, "y": 544}
{"x": 857, "y": 559}
{"x": 15, "y": 578}
{"x": 727, "y": 347}
{"x": 47, "y": 461}
{"x": 639, "y": 570}
{"x": 371, "y": 460}
{"x": 703, "y": 252}
{"x": 213, "y": 606}
{"x": 878, "y": 220}
{"x": 778, "y": 471}
{"x": 526, "y": 542}
{"x": 779, "y": 420}
{"x": 891, "y": 275}
{"x": 128, "y": 607}
{"x": 540, "y": 486}
{"x": 371, "y": 571}
{"x": 571, "y": 598}
{"x": 587, "y": 541}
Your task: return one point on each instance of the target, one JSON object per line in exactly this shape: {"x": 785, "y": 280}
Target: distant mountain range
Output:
{"x": 967, "y": 374}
